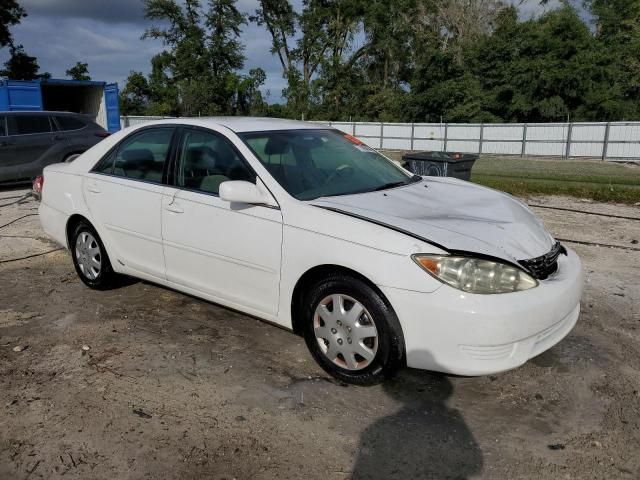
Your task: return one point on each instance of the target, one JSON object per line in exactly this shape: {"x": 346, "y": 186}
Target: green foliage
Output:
{"x": 80, "y": 71}
{"x": 22, "y": 66}
{"x": 135, "y": 96}
{"x": 400, "y": 60}
{"x": 455, "y": 60}
{"x": 10, "y": 14}
{"x": 197, "y": 74}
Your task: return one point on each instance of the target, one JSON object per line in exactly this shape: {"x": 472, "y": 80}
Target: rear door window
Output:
{"x": 2, "y": 126}
{"x": 69, "y": 123}
{"x": 139, "y": 157}
{"x": 28, "y": 124}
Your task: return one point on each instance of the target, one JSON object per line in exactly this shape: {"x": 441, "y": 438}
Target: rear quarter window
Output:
{"x": 28, "y": 124}
{"x": 69, "y": 123}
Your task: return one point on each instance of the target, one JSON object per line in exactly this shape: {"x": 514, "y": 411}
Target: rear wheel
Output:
{"x": 90, "y": 257}
{"x": 350, "y": 330}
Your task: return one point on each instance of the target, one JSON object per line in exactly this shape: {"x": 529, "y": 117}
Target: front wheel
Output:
{"x": 90, "y": 257}
{"x": 350, "y": 330}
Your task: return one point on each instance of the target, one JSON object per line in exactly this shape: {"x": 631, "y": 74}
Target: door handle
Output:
{"x": 5, "y": 144}
{"x": 57, "y": 138}
{"x": 93, "y": 189}
{"x": 174, "y": 208}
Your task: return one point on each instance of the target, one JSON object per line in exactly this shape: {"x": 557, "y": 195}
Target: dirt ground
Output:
{"x": 175, "y": 387}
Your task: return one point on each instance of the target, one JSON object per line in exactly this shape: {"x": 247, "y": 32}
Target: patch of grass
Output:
{"x": 592, "y": 179}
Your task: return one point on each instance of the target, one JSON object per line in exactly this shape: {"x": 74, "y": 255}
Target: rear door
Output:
{"x": 32, "y": 144}
{"x": 79, "y": 134}
{"x": 124, "y": 193}
{"x": 9, "y": 169}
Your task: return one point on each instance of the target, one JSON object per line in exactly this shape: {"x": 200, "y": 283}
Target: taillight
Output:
{"x": 102, "y": 134}
{"x": 38, "y": 184}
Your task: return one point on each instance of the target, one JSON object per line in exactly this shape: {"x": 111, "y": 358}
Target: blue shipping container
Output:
{"x": 99, "y": 100}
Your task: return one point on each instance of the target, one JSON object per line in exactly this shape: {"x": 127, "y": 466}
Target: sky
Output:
{"x": 106, "y": 34}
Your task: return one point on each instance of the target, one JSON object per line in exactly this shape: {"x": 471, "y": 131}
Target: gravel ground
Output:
{"x": 175, "y": 387}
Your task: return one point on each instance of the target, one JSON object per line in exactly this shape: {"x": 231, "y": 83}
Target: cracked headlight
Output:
{"x": 475, "y": 275}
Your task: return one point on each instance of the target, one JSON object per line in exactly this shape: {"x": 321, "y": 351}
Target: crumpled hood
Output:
{"x": 455, "y": 214}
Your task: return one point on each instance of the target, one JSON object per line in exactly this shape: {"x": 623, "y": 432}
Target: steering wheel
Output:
{"x": 342, "y": 170}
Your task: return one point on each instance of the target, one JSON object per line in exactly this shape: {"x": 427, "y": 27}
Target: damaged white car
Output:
{"x": 310, "y": 229}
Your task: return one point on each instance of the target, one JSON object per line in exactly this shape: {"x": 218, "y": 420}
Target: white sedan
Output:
{"x": 308, "y": 228}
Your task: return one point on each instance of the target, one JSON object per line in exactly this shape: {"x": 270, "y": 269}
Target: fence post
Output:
{"x": 481, "y": 138}
{"x": 413, "y": 126}
{"x": 568, "y": 149}
{"x": 605, "y": 145}
{"x": 524, "y": 140}
{"x": 445, "y": 136}
{"x": 381, "y": 134}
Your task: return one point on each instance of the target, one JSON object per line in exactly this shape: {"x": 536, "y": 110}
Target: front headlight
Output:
{"x": 475, "y": 275}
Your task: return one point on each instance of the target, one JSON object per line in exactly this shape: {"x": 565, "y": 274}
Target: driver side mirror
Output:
{"x": 241, "y": 191}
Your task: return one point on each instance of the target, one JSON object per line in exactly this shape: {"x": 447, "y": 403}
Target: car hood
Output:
{"x": 454, "y": 214}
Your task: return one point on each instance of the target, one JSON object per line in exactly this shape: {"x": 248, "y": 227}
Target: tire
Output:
{"x": 86, "y": 246}
{"x": 384, "y": 353}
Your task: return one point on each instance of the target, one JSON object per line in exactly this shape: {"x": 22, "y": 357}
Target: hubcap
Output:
{"x": 345, "y": 332}
{"x": 88, "y": 255}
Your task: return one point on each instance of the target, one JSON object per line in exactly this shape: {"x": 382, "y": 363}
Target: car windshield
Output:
{"x": 320, "y": 163}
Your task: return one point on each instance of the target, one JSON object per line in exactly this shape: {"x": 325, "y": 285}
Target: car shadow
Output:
{"x": 425, "y": 438}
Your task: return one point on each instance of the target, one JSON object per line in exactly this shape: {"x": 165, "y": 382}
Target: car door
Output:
{"x": 28, "y": 137}
{"x": 8, "y": 170}
{"x": 123, "y": 194}
{"x": 230, "y": 252}
{"x": 79, "y": 133}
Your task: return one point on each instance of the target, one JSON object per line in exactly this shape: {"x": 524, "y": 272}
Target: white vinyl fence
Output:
{"x": 605, "y": 140}
{"x": 131, "y": 120}
{"x": 609, "y": 141}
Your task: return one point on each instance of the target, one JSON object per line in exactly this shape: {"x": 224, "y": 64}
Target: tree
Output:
{"x": 304, "y": 42}
{"x": 135, "y": 96}
{"x": 163, "y": 89}
{"x": 10, "y": 14}
{"x": 203, "y": 54}
{"x": 80, "y": 71}
{"x": 250, "y": 101}
{"x": 225, "y": 53}
{"x": 21, "y": 66}
{"x": 544, "y": 69}
{"x": 618, "y": 31}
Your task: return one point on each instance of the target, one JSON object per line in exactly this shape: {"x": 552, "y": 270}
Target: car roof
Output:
{"x": 244, "y": 124}
{"x": 40, "y": 112}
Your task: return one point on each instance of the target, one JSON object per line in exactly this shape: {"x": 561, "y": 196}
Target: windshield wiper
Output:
{"x": 415, "y": 178}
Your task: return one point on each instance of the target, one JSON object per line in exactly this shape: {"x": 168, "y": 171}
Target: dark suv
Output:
{"x": 29, "y": 141}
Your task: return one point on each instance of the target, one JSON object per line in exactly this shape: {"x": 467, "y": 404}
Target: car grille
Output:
{"x": 544, "y": 266}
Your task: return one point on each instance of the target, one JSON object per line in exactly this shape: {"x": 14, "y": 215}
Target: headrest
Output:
{"x": 276, "y": 145}
{"x": 201, "y": 154}
{"x": 138, "y": 155}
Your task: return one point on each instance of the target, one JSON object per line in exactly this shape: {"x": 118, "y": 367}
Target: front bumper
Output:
{"x": 468, "y": 334}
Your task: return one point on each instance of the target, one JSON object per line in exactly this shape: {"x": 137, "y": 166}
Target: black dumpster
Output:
{"x": 440, "y": 164}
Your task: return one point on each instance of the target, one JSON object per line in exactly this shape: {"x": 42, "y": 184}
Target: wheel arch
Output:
{"x": 72, "y": 222}
{"x": 314, "y": 275}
